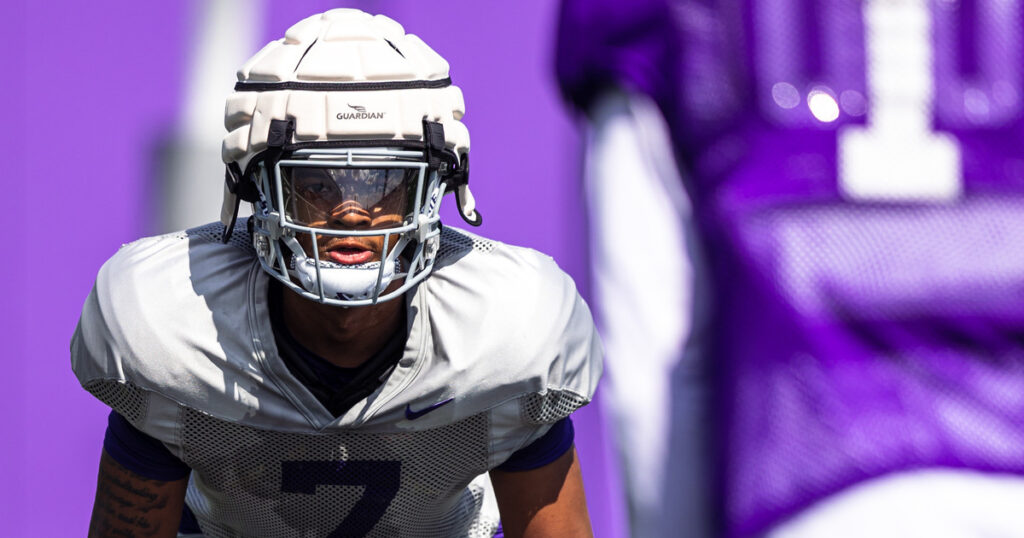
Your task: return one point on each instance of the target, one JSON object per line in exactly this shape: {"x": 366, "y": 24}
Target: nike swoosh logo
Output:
{"x": 413, "y": 415}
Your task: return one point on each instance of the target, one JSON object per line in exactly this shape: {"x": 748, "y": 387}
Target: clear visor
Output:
{"x": 349, "y": 197}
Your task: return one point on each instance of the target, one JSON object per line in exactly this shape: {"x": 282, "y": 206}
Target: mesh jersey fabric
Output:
{"x": 268, "y": 459}
{"x": 140, "y": 453}
{"x": 147, "y": 457}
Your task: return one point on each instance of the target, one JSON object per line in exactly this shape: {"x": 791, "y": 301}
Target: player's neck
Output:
{"x": 346, "y": 337}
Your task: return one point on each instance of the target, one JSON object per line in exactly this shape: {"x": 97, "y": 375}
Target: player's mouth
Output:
{"x": 349, "y": 252}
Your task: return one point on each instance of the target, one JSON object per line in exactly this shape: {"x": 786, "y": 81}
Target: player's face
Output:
{"x": 349, "y": 199}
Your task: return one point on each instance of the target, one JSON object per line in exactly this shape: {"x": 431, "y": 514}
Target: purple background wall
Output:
{"x": 92, "y": 88}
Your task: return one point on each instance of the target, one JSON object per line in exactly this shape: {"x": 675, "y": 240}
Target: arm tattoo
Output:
{"x": 131, "y": 506}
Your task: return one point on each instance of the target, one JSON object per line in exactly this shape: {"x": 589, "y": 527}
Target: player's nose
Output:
{"x": 350, "y": 214}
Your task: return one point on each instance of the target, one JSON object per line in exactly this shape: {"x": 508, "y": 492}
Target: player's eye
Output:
{"x": 313, "y": 189}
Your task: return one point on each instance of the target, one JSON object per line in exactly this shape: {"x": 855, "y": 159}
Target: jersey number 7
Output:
{"x": 381, "y": 479}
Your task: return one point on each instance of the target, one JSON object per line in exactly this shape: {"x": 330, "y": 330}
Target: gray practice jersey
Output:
{"x": 176, "y": 337}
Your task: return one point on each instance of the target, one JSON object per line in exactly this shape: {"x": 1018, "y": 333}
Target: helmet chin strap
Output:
{"x": 345, "y": 282}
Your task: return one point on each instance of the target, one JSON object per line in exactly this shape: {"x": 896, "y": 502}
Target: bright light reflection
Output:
{"x": 823, "y": 106}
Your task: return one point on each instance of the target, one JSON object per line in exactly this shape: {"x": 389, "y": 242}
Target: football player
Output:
{"x": 297, "y": 373}
{"x": 833, "y": 212}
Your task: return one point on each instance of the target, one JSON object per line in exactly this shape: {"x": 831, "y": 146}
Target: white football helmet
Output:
{"x": 345, "y": 135}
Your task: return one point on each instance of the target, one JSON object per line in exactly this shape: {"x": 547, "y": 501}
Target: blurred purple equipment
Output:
{"x": 851, "y": 245}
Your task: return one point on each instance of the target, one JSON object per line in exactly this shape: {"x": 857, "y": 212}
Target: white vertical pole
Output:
{"x": 227, "y": 33}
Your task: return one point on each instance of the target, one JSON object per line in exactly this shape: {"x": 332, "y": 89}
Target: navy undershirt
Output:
{"x": 148, "y": 457}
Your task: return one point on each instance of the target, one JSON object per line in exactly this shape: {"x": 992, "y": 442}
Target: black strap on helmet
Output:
{"x": 460, "y": 174}
{"x": 241, "y": 184}
{"x": 433, "y": 143}
{"x": 456, "y": 173}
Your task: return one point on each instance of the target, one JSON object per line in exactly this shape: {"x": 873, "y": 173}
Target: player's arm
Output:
{"x": 141, "y": 486}
{"x": 543, "y": 502}
{"x": 131, "y": 505}
{"x": 540, "y": 488}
